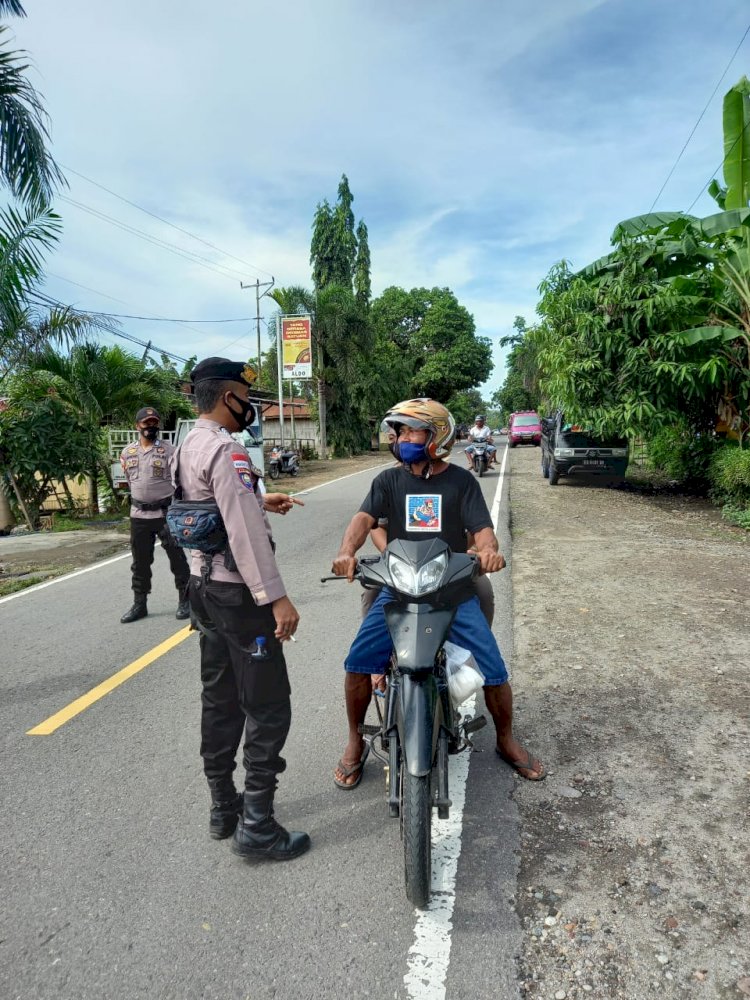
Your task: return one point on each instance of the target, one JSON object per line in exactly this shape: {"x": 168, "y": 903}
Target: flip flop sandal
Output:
{"x": 349, "y": 769}
{"x": 523, "y": 765}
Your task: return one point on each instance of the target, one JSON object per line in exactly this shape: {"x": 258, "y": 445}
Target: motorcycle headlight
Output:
{"x": 417, "y": 582}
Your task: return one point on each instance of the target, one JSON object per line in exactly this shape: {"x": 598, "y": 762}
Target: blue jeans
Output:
{"x": 372, "y": 647}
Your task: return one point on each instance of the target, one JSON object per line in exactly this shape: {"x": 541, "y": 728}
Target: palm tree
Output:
{"x": 26, "y": 166}
{"x": 104, "y": 386}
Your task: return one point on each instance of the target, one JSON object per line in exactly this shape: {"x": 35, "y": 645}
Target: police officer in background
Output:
{"x": 240, "y": 605}
{"x": 146, "y": 467}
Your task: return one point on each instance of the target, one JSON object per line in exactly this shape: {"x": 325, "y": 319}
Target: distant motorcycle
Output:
{"x": 481, "y": 458}
{"x": 283, "y": 461}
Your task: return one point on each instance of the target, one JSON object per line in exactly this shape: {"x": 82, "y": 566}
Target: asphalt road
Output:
{"x": 111, "y": 886}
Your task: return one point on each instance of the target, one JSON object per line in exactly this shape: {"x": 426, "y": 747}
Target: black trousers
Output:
{"x": 238, "y": 691}
{"x": 143, "y": 534}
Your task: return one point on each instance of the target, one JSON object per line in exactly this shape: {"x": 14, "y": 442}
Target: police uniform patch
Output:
{"x": 241, "y": 462}
{"x": 246, "y": 479}
{"x": 132, "y": 451}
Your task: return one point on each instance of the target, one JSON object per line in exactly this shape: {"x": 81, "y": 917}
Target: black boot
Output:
{"x": 226, "y": 808}
{"x": 139, "y": 610}
{"x": 183, "y": 609}
{"x": 259, "y": 836}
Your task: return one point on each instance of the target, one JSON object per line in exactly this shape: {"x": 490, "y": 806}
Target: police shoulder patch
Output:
{"x": 246, "y": 479}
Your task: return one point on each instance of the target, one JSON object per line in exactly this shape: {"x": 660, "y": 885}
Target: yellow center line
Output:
{"x": 81, "y": 704}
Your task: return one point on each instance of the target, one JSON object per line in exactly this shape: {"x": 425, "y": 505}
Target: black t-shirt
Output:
{"x": 444, "y": 506}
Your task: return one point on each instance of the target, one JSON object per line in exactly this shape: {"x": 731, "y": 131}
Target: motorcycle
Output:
{"x": 418, "y": 725}
{"x": 283, "y": 461}
{"x": 481, "y": 458}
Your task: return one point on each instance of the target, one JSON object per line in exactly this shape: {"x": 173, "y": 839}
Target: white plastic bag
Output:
{"x": 464, "y": 676}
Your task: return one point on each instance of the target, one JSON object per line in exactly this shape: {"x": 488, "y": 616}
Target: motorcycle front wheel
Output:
{"x": 273, "y": 471}
{"x": 416, "y": 820}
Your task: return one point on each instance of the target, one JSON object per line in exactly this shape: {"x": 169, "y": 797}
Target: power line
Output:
{"x": 700, "y": 118}
{"x": 166, "y": 222}
{"x": 48, "y": 300}
{"x": 114, "y": 315}
{"x": 719, "y": 166}
{"x": 225, "y": 272}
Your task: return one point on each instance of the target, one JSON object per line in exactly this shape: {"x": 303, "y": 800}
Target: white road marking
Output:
{"x": 349, "y": 475}
{"x": 127, "y": 555}
{"x": 67, "y": 576}
{"x": 429, "y": 955}
{"x": 499, "y": 490}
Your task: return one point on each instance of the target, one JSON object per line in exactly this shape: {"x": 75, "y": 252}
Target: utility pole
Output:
{"x": 267, "y": 285}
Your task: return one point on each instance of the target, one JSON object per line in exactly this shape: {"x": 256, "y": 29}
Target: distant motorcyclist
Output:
{"x": 480, "y": 432}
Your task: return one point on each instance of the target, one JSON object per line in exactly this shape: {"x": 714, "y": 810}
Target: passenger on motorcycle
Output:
{"x": 480, "y": 432}
{"x": 425, "y": 434}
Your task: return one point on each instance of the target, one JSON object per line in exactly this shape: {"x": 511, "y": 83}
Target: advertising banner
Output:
{"x": 296, "y": 341}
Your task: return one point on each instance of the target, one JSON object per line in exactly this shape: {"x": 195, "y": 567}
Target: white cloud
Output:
{"x": 483, "y": 141}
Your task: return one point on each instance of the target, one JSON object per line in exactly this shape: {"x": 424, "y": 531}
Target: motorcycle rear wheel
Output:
{"x": 416, "y": 819}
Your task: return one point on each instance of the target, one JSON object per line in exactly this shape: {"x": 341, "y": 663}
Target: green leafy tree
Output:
{"x": 102, "y": 386}
{"x": 520, "y": 389}
{"x": 437, "y": 335}
{"x": 362, "y": 282}
{"x": 465, "y": 405}
{"x": 42, "y": 443}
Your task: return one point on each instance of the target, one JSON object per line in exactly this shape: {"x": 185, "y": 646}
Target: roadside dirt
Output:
{"x": 30, "y": 559}
{"x": 632, "y": 682}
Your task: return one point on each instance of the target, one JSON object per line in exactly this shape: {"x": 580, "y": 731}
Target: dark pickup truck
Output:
{"x": 569, "y": 450}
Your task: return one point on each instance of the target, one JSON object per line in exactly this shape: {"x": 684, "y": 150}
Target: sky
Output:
{"x": 484, "y": 140}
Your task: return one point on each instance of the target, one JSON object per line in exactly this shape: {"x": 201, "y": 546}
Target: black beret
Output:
{"x": 147, "y": 413}
{"x": 223, "y": 368}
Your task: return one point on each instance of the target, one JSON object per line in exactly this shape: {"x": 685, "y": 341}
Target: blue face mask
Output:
{"x": 409, "y": 453}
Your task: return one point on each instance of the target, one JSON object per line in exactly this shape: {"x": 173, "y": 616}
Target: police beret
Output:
{"x": 223, "y": 368}
{"x": 147, "y": 413}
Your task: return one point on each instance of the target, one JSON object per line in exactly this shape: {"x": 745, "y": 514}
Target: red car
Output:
{"x": 524, "y": 428}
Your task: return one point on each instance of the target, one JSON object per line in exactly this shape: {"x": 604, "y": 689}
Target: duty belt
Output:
{"x": 155, "y": 505}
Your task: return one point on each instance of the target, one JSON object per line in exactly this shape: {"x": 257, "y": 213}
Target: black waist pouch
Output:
{"x": 198, "y": 524}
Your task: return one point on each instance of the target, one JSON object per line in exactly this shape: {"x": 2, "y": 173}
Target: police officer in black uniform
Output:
{"x": 241, "y": 607}
{"x": 146, "y": 465}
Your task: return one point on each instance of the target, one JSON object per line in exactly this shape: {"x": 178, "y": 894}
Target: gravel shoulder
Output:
{"x": 632, "y": 656}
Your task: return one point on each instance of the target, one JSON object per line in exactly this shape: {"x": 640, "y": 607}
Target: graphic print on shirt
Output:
{"x": 424, "y": 512}
{"x": 242, "y": 467}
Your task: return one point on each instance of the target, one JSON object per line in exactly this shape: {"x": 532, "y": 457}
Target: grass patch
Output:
{"x": 736, "y": 515}
{"x": 13, "y": 586}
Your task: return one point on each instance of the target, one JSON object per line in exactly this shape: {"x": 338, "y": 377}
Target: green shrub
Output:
{"x": 682, "y": 454}
{"x": 736, "y": 515}
{"x": 729, "y": 475}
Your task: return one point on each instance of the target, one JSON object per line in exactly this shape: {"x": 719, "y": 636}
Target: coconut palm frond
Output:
{"x": 26, "y": 165}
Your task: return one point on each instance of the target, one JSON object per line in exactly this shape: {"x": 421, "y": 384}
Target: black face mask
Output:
{"x": 247, "y": 415}
{"x": 150, "y": 433}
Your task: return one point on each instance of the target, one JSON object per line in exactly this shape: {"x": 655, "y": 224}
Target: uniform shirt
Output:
{"x": 480, "y": 433}
{"x": 213, "y": 466}
{"x": 147, "y": 471}
{"x": 445, "y": 506}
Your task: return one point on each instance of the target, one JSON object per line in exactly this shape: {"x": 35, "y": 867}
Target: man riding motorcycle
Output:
{"x": 480, "y": 432}
{"x": 425, "y": 483}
